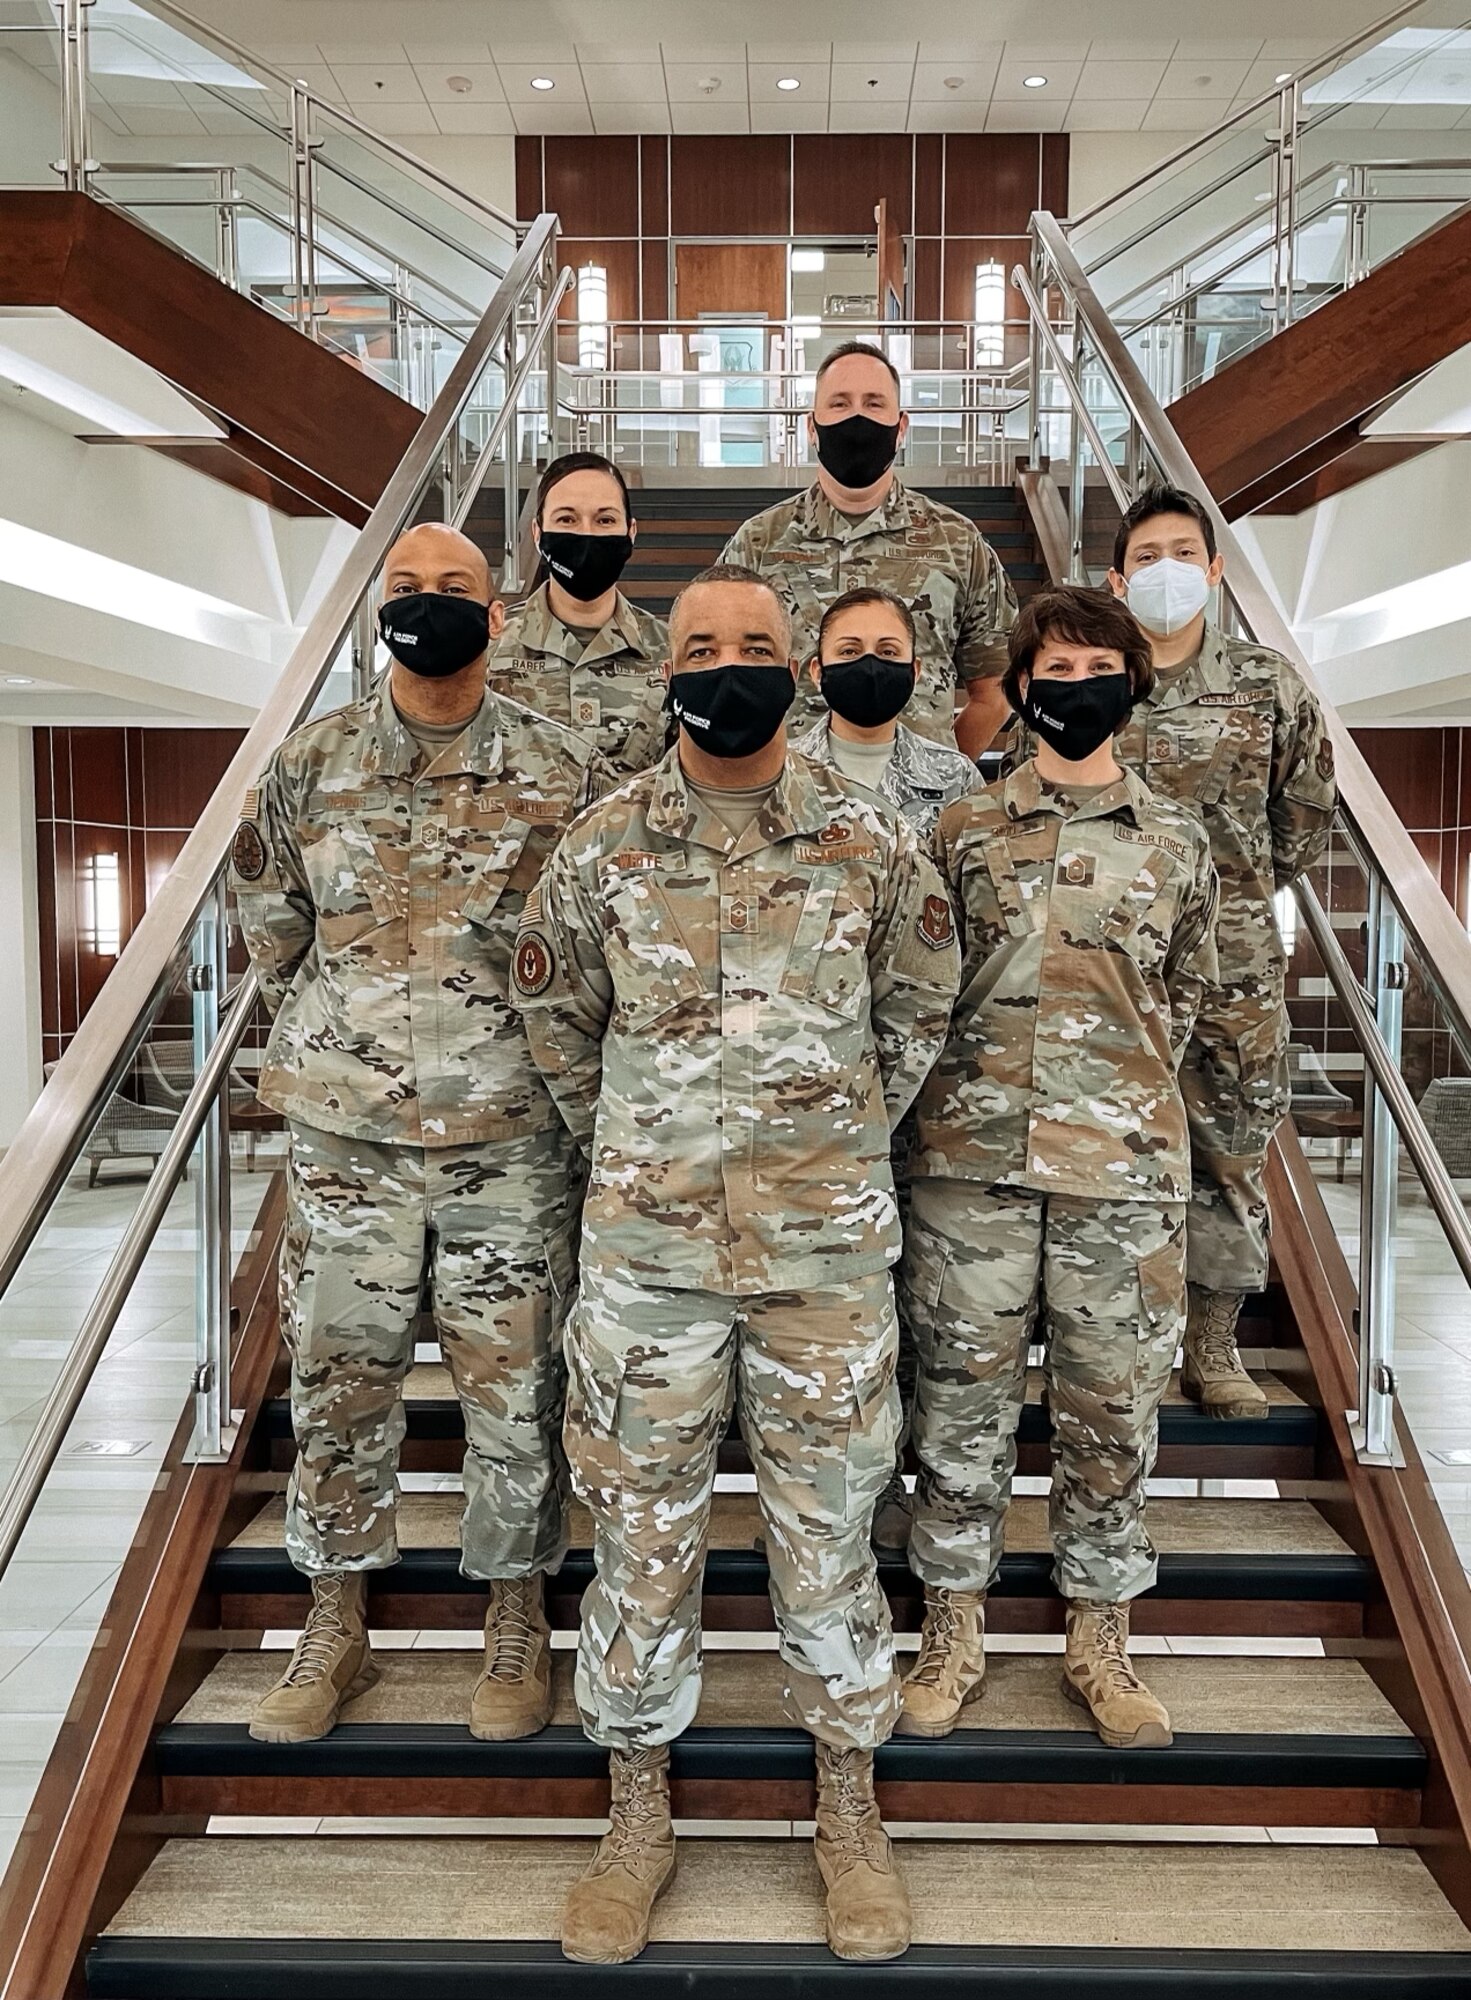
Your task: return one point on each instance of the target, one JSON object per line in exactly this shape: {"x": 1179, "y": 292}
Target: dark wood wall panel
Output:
{"x": 838, "y": 179}
{"x": 654, "y": 169}
{"x": 929, "y": 183}
{"x": 656, "y": 281}
{"x": 1055, "y": 163}
{"x": 992, "y": 181}
{"x": 730, "y": 186}
{"x": 135, "y": 793}
{"x": 528, "y": 177}
{"x": 924, "y": 278}
{"x": 592, "y": 184}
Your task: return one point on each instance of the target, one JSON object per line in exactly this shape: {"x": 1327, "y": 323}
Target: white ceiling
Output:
{"x": 454, "y": 67}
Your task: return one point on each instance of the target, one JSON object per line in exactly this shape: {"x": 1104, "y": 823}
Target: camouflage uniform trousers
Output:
{"x": 494, "y": 1227}
{"x": 652, "y": 1376}
{"x": 1235, "y": 1085}
{"x": 978, "y": 1264}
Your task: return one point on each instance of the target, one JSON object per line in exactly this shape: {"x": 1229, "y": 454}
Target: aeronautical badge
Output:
{"x": 532, "y": 966}
{"x": 936, "y": 923}
{"x": 248, "y": 852}
{"x": 836, "y": 835}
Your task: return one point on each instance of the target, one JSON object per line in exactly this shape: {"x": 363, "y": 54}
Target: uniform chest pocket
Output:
{"x": 514, "y": 862}
{"x": 1241, "y": 766}
{"x": 351, "y": 886}
{"x": 930, "y": 594}
{"x": 1142, "y": 921}
{"x": 827, "y": 960}
{"x": 652, "y": 964}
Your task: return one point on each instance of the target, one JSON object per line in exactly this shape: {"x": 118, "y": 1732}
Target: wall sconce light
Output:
{"x": 990, "y": 315}
{"x": 592, "y": 316}
{"x": 102, "y": 905}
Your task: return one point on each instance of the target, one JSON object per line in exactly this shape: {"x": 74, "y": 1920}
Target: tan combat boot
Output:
{"x": 1098, "y": 1675}
{"x": 1212, "y": 1374}
{"x": 867, "y": 1906}
{"x": 330, "y": 1665}
{"x": 606, "y": 1921}
{"x": 893, "y": 1517}
{"x": 950, "y": 1672}
{"x": 513, "y": 1697}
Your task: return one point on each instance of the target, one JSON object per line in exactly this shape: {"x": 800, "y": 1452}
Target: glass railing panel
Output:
{"x": 30, "y": 95}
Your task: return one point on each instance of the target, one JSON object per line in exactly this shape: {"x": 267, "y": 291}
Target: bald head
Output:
{"x": 727, "y": 606}
{"x": 435, "y": 557}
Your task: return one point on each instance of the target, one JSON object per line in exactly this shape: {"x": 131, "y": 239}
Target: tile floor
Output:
{"x": 1432, "y": 1334}
{"x": 54, "y": 1593}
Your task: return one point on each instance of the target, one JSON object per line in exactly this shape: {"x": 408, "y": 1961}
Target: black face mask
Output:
{"x": 732, "y": 711}
{"x": 867, "y": 692}
{"x": 585, "y": 565}
{"x": 433, "y": 634}
{"x": 856, "y": 451}
{"x": 1075, "y": 717}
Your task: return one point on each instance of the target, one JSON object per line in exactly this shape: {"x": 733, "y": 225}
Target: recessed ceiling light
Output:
{"x": 789, "y": 83}
{"x": 460, "y": 85}
{"x": 19, "y": 681}
{"x": 542, "y": 83}
{"x": 1034, "y": 82}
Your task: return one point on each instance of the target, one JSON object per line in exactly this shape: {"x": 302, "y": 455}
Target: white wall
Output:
{"x": 1100, "y": 163}
{"x": 20, "y": 959}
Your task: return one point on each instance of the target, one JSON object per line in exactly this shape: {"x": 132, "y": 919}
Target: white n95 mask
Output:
{"x": 1166, "y": 595}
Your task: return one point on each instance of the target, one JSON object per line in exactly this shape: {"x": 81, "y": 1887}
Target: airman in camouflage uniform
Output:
{"x": 379, "y": 887}
{"x": 1231, "y": 728}
{"x": 607, "y": 686}
{"x": 1052, "y": 1164}
{"x": 919, "y": 780}
{"x": 859, "y": 524}
{"x": 731, "y": 1024}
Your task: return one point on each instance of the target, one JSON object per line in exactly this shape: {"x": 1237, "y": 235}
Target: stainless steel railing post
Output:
{"x": 511, "y": 487}
{"x": 1372, "y": 1424}
{"x": 213, "y": 1417}
{"x": 227, "y": 237}
{"x": 74, "y": 166}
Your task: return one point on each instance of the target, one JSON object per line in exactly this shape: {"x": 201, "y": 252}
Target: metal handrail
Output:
{"x": 215, "y": 38}
{"x": 52, "y": 1138}
{"x": 1429, "y": 919}
{"x": 24, "y": 1487}
{"x": 1259, "y": 104}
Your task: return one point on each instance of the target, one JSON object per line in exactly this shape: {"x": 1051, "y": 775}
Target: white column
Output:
{"x": 20, "y": 953}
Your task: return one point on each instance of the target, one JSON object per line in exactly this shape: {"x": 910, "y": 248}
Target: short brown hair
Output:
{"x": 734, "y": 573}
{"x": 867, "y": 593}
{"x": 1157, "y": 500}
{"x": 847, "y": 347}
{"x": 579, "y": 461}
{"x": 1079, "y": 617}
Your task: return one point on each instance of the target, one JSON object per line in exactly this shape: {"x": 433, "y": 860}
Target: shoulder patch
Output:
{"x": 248, "y": 852}
{"x": 531, "y": 965}
{"x": 1325, "y": 759}
{"x": 936, "y": 922}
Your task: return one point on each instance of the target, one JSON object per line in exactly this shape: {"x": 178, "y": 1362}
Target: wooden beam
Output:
{"x": 1268, "y": 415}
{"x": 304, "y": 406}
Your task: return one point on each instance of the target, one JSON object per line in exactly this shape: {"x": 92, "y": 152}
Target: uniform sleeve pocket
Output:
{"x": 1261, "y": 1050}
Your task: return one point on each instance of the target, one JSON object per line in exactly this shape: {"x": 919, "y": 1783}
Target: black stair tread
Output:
{"x": 183, "y": 1968}
{"x": 1295, "y": 1699}
{"x": 1251, "y": 1529}
{"x": 1243, "y": 1898}
{"x": 432, "y": 1411}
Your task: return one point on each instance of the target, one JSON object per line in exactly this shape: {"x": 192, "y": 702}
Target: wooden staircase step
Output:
{"x": 1271, "y": 1567}
{"x": 1303, "y": 1742}
{"x": 1280, "y": 1445}
{"x": 413, "y": 1918}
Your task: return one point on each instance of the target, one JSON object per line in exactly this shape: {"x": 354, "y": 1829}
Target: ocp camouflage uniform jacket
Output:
{"x": 1238, "y": 734}
{"x": 919, "y": 780}
{"x": 925, "y": 553}
{"x": 612, "y": 691}
{"x": 1088, "y": 934}
{"x": 380, "y": 908}
{"x": 732, "y": 1026}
